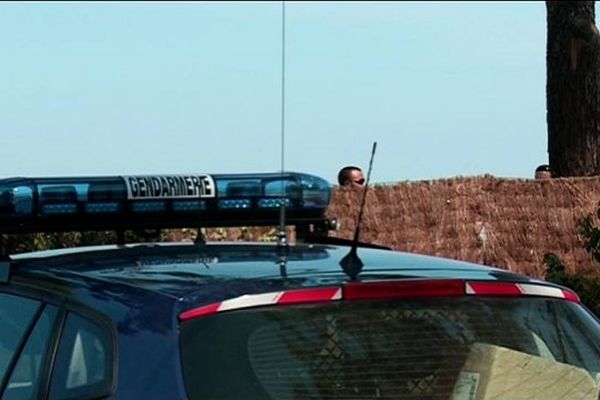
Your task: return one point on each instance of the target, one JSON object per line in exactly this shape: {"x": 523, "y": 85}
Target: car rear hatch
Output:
{"x": 411, "y": 339}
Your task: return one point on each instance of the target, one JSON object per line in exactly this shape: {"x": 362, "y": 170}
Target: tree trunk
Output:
{"x": 573, "y": 88}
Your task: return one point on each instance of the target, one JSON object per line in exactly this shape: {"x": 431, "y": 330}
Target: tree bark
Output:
{"x": 573, "y": 88}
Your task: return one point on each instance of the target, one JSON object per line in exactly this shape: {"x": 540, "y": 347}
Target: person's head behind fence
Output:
{"x": 543, "y": 172}
{"x": 351, "y": 176}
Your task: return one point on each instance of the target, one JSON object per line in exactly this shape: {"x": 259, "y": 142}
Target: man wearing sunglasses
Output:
{"x": 351, "y": 176}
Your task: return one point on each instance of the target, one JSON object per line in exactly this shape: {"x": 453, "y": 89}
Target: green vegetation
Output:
{"x": 13, "y": 244}
{"x": 588, "y": 288}
{"x": 21, "y": 243}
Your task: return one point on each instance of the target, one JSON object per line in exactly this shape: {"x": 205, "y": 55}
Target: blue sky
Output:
{"x": 446, "y": 89}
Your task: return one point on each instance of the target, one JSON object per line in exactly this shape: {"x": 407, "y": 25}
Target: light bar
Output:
{"x": 160, "y": 201}
{"x": 388, "y": 290}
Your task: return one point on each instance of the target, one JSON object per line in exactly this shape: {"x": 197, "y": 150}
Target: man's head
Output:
{"x": 543, "y": 172}
{"x": 352, "y": 176}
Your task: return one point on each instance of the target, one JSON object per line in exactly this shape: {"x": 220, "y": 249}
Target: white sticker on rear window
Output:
{"x": 466, "y": 386}
{"x": 169, "y": 187}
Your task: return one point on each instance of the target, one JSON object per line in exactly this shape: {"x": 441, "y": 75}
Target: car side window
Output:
{"x": 83, "y": 367}
{"x": 16, "y": 315}
{"x": 25, "y": 377}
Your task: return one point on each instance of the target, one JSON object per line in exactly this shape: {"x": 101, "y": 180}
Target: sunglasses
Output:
{"x": 360, "y": 181}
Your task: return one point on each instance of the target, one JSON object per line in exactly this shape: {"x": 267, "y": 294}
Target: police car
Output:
{"x": 278, "y": 320}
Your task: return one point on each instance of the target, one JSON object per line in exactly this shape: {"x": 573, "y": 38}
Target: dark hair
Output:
{"x": 344, "y": 173}
{"x": 543, "y": 167}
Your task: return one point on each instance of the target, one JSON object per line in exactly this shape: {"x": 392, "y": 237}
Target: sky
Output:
{"x": 122, "y": 88}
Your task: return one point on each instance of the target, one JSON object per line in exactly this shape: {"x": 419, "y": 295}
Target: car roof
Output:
{"x": 202, "y": 272}
{"x": 197, "y": 273}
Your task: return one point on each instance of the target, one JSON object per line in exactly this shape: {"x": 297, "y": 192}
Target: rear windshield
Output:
{"x": 455, "y": 348}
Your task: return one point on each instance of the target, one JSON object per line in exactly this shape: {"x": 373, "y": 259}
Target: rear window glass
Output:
{"x": 83, "y": 367}
{"x": 455, "y": 348}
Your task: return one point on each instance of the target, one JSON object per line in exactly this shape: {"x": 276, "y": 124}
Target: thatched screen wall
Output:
{"x": 523, "y": 219}
{"x": 519, "y": 220}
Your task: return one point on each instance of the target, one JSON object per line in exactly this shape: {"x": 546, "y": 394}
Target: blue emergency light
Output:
{"x": 160, "y": 201}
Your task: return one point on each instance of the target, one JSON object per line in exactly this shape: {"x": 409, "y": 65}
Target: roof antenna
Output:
{"x": 351, "y": 263}
{"x": 282, "y": 239}
{"x": 282, "y": 233}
